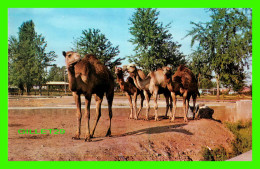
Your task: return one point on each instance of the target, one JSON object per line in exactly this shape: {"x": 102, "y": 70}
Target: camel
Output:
{"x": 130, "y": 90}
{"x": 89, "y": 76}
{"x": 182, "y": 83}
{"x": 153, "y": 84}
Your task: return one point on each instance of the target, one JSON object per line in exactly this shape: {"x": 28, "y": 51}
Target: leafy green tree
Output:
{"x": 199, "y": 65}
{"x": 153, "y": 43}
{"x": 94, "y": 42}
{"x": 226, "y": 42}
{"x": 27, "y": 58}
{"x": 57, "y": 74}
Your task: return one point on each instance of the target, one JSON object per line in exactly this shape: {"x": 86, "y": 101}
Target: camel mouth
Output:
{"x": 74, "y": 63}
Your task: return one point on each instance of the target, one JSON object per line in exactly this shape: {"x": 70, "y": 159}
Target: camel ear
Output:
{"x": 64, "y": 53}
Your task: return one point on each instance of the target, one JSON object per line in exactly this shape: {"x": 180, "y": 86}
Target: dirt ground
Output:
{"x": 132, "y": 140}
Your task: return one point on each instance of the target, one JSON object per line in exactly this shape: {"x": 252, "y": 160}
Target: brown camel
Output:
{"x": 153, "y": 84}
{"x": 130, "y": 90}
{"x": 89, "y": 76}
{"x": 182, "y": 83}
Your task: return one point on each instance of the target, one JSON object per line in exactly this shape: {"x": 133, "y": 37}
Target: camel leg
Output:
{"x": 173, "y": 96}
{"x": 147, "y": 98}
{"x": 167, "y": 105}
{"x": 141, "y": 104}
{"x": 194, "y": 97}
{"x": 170, "y": 106}
{"x": 135, "y": 99}
{"x": 110, "y": 96}
{"x": 99, "y": 99}
{"x": 87, "y": 116}
{"x": 185, "y": 107}
{"x": 131, "y": 105}
{"x": 155, "y": 95}
{"x": 78, "y": 114}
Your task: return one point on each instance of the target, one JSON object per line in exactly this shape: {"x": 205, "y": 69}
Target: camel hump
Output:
{"x": 182, "y": 68}
{"x": 91, "y": 65}
{"x": 91, "y": 58}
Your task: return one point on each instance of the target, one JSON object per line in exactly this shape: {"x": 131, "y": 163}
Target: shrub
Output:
{"x": 241, "y": 144}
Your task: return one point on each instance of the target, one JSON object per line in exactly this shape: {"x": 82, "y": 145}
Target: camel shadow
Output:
{"x": 158, "y": 130}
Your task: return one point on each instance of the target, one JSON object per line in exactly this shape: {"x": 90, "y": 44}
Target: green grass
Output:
{"x": 241, "y": 143}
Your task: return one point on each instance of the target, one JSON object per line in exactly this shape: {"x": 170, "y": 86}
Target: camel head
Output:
{"x": 124, "y": 68}
{"x": 71, "y": 58}
{"x": 119, "y": 71}
{"x": 167, "y": 70}
{"x": 132, "y": 70}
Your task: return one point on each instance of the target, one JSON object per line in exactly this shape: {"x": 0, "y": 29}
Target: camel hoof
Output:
{"x": 87, "y": 140}
{"x": 75, "y": 138}
{"x": 108, "y": 133}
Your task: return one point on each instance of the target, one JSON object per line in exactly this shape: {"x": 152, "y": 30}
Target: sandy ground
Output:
{"x": 132, "y": 140}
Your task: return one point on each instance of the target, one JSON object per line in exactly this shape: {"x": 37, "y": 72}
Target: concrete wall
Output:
{"x": 244, "y": 110}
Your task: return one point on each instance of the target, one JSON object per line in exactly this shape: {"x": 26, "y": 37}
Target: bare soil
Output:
{"x": 132, "y": 140}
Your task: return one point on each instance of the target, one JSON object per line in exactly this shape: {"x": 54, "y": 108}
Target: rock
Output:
{"x": 205, "y": 113}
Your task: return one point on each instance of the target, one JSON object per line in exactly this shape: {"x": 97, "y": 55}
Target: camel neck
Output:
{"x": 120, "y": 80}
{"x": 71, "y": 78}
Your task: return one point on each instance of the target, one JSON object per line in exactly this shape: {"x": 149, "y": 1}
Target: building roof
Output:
{"x": 57, "y": 83}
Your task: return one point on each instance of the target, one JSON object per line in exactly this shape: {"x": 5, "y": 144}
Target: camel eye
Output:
{"x": 69, "y": 55}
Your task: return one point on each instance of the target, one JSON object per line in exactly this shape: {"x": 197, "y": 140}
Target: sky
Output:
{"x": 61, "y": 26}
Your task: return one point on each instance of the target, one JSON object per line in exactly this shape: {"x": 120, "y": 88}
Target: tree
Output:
{"x": 94, "y": 42}
{"x": 153, "y": 43}
{"x": 226, "y": 41}
{"x": 57, "y": 73}
{"x": 199, "y": 65}
{"x": 27, "y": 58}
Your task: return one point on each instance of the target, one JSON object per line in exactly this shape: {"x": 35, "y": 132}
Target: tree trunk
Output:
{"x": 217, "y": 81}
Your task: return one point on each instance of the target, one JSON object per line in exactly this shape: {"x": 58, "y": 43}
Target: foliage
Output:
{"x": 243, "y": 136}
{"x": 217, "y": 154}
{"x": 57, "y": 74}
{"x": 199, "y": 65}
{"x": 94, "y": 42}
{"x": 241, "y": 144}
{"x": 27, "y": 58}
{"x": 226, "y": 44}
{"x": 153, "y": 43}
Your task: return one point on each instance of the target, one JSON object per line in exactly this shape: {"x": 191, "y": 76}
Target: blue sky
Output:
{"x": 60, "y": 26}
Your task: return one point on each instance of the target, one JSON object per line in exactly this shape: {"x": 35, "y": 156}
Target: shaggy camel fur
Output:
{"x": 89, "y": 76}
{"x": 182, "y": 83}
{"x": 153, "y": 84}
{"x": 130, "y": 90}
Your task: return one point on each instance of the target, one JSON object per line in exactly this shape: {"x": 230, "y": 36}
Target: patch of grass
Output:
{"x": 241, "y": 144}
{"x": 217, "y": 154}
{"x": 243, "y": 136}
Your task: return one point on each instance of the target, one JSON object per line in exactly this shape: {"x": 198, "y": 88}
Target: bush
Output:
{"x": 217, "y": 154}
{"x": 241, "y": 144}
{"x": 243, "y": 136}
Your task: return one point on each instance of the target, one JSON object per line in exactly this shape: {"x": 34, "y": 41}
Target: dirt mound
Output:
{"x": 131, "y": 139}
